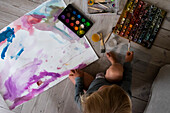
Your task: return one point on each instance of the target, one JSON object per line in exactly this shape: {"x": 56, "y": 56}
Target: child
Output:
{"x": 108, "y": 95}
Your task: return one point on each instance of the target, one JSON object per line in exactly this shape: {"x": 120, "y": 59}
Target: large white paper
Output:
{"x": 37, "y": 52}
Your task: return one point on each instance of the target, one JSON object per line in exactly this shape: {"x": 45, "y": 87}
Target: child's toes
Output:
{"x": 107, "y": 54}
{"x": 72, "y": 72}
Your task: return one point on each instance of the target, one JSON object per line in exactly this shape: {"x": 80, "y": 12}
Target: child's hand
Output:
{"x": 129, "y": 56}
{"x": 76, "y": 73}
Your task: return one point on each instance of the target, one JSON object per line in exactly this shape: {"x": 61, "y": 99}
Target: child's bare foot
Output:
{"x": 111, "y": 57}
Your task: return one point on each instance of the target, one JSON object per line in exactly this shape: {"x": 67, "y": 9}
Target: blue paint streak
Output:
{"x": 19, "y": 53}
{"x": 9, "y": 35}
{"x": 63, "y": 32}
{"x": 12, "y": 57}
{"x": 76, "y": 48}
{"x": 52, "y": 35}
{"x": 4, "y": 51}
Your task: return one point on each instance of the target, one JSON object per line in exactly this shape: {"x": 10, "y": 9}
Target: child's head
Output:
{"x": 114, "y": 72}
{"x": 111, "y": 99}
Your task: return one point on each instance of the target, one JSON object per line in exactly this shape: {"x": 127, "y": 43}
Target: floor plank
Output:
{"x": 141, "y": 89}
{"x": 8, "y": 8}
{"x": 18, "y": 109}
{"x": 7, "y": 17}
{"x": 163, "y": 39}
{"x": 156, "y": 55}
{"x": 68, "y": 97}
{"x": 138, "y": 105}
{"x": 164, "y": 4}
{"x": 166, "y": 22}
{"x": 144, "y": 70}
{"x": 2, "y": 103}
{"x": 2, "y": 25}
{"x": 37, "y": 1}
{"x": 58, "y": 99}
{"x": 2, "y": 110}
{"x": 25, "y": 5}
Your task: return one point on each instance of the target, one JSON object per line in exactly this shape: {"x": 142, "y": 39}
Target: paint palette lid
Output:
{"x": 75, "y": 20}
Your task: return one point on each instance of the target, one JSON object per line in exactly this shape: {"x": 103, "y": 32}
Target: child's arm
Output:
{"x": 78, "y": 85}
{"x": 127, "y": 74}
{"x": 78, "y": 90}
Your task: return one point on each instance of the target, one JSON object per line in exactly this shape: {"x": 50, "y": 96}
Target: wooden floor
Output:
{"x": 146, "y": 64}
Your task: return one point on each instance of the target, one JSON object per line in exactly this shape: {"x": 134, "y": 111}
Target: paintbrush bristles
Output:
{"x": 102, "y": 44}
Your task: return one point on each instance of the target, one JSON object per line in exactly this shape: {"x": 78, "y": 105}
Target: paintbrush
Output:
{"x": 108, "y": 36}
{"x": 102, "y": 44}
{"x": 98, "y": 9}
{"x": 102, "y": 5}
{"x": 129, "y": 47}
{"x": 95, "y": 8}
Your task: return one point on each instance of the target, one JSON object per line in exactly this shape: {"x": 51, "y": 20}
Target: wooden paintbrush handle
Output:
{"x": 108, "y": 36}
{"x": 94, "y": 8}
{"x": 102, "y": 5}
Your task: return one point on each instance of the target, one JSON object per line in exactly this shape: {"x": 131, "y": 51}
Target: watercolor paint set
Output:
{"x": 140, "y": 22}
{"x": 75, "y": 20}
{"x": 102, "y": 6}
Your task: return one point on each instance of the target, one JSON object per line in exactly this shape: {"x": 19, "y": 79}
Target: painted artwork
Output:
{"x": 37, "y": 51}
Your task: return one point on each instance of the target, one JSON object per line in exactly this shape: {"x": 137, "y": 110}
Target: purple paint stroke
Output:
{"x": 81, "y": 66}
{"x": 12, "y": 89}
{"x": 34, "y": 92}
{"x": 19, "y": 78}
{"x": 36, "y": 78}
{"x": 72, "y": 34}
{"x": 86, "y": 45}
{"x": 57, "y": 14}
{"x": 51, "y": 26}
{"x": 39, "y": 17}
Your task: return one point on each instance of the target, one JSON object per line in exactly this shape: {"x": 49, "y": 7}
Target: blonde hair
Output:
{"x": 112, "y": 99}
